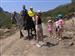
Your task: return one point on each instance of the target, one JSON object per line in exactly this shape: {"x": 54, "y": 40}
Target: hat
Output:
{"x": 49, "y": 21}
{"x": 38, "y": 12}
{"x": 60, "y": 16}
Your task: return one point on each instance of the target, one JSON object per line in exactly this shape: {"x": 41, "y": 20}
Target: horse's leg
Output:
{"x": 31, "y": 31}
{"x": 28, "y": 33}
{"x": 21, "y": 35}
{"x": 35, "y": 33}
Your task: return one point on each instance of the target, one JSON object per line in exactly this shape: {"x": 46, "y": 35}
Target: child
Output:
{"x": 50, "y": 28}
{"x": 59, "y": 28}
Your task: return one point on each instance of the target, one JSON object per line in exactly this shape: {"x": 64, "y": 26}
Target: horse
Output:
{"x": 24, "y": 23}
{"x": 30, "y": 27}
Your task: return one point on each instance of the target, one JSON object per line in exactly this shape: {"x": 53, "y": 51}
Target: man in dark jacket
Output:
{"x": 24, "y": 16}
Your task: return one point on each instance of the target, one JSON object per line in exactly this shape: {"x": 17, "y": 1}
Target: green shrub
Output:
{"x": 5, "y": 21}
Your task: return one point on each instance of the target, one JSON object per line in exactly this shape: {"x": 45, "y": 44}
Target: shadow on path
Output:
{"x": 50, "y": 44}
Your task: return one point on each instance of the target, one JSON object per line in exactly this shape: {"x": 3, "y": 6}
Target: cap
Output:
{"x": 49, "y": 21}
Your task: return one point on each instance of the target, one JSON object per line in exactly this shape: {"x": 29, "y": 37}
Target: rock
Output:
{"x": 71, "y": 43}
{"x": 65, "y": 37}
{"x": 2, "y": 37}
{"x": 68, "y": 35}
{"x": 67, "y": 43}
{"x": 6, "y": 30}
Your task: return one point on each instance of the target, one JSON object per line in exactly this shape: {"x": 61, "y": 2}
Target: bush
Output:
{"x": 5, "y": 21}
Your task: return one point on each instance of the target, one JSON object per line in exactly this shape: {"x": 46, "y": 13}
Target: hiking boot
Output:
{"x": 21, "y": 36}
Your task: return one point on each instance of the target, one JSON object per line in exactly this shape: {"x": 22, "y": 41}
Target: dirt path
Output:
{"x": 14, "y": 46}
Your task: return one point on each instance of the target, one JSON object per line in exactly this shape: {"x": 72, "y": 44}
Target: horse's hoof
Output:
{"x": 21, "y": 37}
{"x": 25, "y": 38}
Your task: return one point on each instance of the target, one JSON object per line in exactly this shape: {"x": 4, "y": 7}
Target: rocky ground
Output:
{"x": 4, "y": 33}
{"x": 14, "y": 46}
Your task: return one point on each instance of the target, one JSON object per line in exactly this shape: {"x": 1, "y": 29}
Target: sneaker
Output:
{"x": 38, "y": 45}
{"x": 60, "y": 39}
{"x": 41, "y": 43}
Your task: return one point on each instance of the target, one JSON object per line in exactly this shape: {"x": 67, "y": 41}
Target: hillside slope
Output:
{"x": 63, "y": 9}
{"x": 5, "y": 21}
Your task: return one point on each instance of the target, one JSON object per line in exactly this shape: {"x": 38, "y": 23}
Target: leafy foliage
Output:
{"x": 5, "y": 21}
